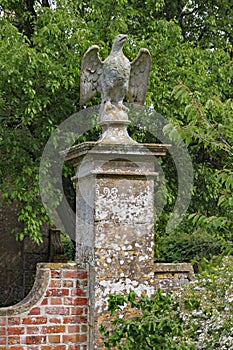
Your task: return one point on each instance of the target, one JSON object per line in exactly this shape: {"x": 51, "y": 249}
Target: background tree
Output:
{"x": 42, "y": 44}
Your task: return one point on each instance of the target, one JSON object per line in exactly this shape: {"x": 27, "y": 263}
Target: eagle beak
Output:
{"x": 124, "y": 38}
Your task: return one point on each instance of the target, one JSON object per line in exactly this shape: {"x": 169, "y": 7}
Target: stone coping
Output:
{"x": 175, "y": 268}
{"x": 116, "y": 149}
{"x": 38, "y": 290}
{"x": 43, "y": 274}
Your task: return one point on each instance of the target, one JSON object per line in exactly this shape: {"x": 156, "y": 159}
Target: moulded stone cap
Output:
{"x": 169, "y": 268}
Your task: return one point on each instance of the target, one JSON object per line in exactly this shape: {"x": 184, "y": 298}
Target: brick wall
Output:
{"x": 53, "y": 316}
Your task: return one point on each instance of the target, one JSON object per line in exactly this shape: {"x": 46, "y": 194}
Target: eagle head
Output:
{"x": 119, "y": 42}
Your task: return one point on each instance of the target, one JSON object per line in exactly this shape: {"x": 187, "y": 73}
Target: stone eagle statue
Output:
{"x": 115, "y": 77}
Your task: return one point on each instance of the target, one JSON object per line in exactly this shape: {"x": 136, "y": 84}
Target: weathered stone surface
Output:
{"x": 115, "y": 221}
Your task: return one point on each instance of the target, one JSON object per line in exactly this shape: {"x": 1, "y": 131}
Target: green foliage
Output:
{"x": 35, "y": 86}
{"x": 155, "y": 328}
{"x": 69, "y": 248}
{"x": 192, "y": 245}
{"x": 208, "y": 133}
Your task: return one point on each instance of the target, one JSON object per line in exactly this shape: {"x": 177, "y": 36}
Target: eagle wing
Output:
{"x": 91, "y": 69}
{"x": 139, "y": 77}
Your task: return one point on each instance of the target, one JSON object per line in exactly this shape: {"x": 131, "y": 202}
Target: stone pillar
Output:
{"x": 115, "y": 215}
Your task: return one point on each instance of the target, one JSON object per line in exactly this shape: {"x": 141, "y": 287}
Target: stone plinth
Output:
{"x": 115, "y": 221}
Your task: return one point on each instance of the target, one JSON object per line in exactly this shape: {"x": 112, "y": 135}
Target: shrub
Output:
{"x": 191, "y": 246}
{"x": 155, "y": 328}
{"x": 206, "y": 308}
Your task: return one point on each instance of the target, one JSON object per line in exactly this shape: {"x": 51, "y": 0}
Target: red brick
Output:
{"x": 54, "y": 338}
{"x": 67, "y": 283}
{"x": 84, "y": 328}
{"x": 78, "y": 292}
{"x": 68, "y": 301}
{"x": 35, "y": 320}
{"x": 35, "y": 311}
{"x": 55, "y": 283}
{"x": 32, "y": 330}
{"x": 70, "y": 274}
{"x": 82, "y": 275}
{"x": 44, "y": 301}
{"x": 14, "y": 320}
{"x": 54, "y": 320}
{"x": 74, "y": 338}
{"x": 78, "y": 311}
{"x": 2, "y": 321}
{"x": 15, "y": 330}
{"x": 15, "y": 339}
{"x": 53, "y": 347}
{"x": 2, "y": 330}
{"x": 74, "y": 347}
{"x": 56, "y": 301}
{"x": 57, "y": 310}
{"x": 56, "y": 273}
{"x": 53, "y": 329}
{"x": 74, "y": 319}
{"x": 81, "y": 301}
{"x": 74, "y": 329}
{"x": 35, "y": 339}
{"x": 2, "y": 340}
{"x": 57, "y": 292}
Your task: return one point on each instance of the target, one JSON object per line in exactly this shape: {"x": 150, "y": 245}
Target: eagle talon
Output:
{"x": 108, "y": 106}
{"x": 122, "y": 106}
